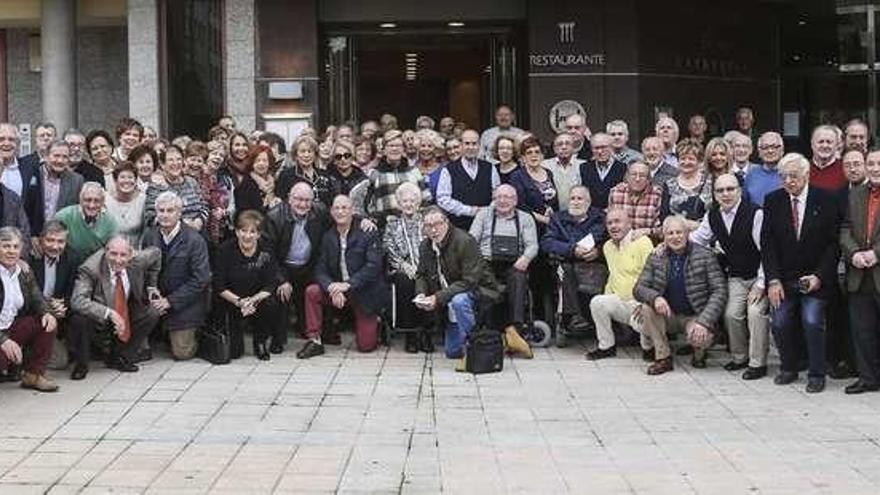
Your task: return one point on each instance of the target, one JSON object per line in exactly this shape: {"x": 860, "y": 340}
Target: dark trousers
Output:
{"x": 81, "y": 329}
{"x": 264, "y": 323}
{"x": 839, "y": 334}
{"x": 299, "y": 277}
{"x": 788, "y": 335}
{"x": 864, "y": 309}
{"x": 27, "y": 332}
{"x": 407, "y": 316}
{"x": 516, "y": 291}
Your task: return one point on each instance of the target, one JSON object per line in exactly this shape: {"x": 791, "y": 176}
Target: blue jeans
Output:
{"x": 783, "y": 322}
{"x": 463, "y": 306}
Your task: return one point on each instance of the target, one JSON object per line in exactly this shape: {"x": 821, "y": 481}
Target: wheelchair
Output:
{"x": 536, "y": 331}
{"x": 564, "y": 334}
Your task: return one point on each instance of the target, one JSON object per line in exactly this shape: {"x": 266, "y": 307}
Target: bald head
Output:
{"x": 505, "y": 199}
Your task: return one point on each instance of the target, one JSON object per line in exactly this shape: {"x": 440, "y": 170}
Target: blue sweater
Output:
{"x": 761, "y": 181}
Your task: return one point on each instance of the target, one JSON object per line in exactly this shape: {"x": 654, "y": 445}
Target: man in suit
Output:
{"x": 860, "y": 243}
{"x": 602, "y": 172}
{"x": 292, "y": 233}
{"x": 44, "y": 134}
{"x": 466, "y": 185}
{"x": 799, "y": 240}
{"x": 661, "y": 172}
{"x": 56, "y": 186}
{"x": 18, "y": 174}
{"x": 348, "y": 273}
{"x": 111, "y": 295}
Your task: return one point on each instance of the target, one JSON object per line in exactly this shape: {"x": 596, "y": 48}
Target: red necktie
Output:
{"x": 121, "y": 307}
{"x": 795, "y": 216}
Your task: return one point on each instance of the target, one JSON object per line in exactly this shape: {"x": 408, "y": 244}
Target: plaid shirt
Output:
{"x": 643, "y": 208}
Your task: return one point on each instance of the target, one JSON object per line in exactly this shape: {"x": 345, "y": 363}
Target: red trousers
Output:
{"x": 366, "y": 326}
{"x": 27, "y": 331}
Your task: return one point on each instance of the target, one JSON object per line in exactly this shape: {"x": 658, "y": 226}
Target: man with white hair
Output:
{"x": 826, "y": 169}
{"x": 681, "y": 287}
{"x": 111, "y": 296}
{"x": 89, "y": 227}
{"x": 799, "y": 251}
{"x": 603, "y": 171}
{"x": 667, "y": 130}
{"x": 741, "y": 148}
{"x": 184, "y": 277}
{"x": 619, "y": 132}
{"x": 15, "y": 177}
{"x": 654, "y": 151}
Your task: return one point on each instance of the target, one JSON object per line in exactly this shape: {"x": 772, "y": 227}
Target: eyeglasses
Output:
{"x": 434, "y": 225}
{"x": 345, "y": 156}
{"x": 721, "y": 190}
{"x": 769, "y": 147}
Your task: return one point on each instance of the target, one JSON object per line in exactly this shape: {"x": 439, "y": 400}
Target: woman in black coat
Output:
{"x": 246, "y": 280}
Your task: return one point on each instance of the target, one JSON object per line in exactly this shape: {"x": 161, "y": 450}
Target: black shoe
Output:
{"x": 815, "y": 385}
{"x": 734, "y": 366}
{"x": 785, "y": 377}
{"x": 332, "y": 338}
{"x": 261, "y": 351}
{"x": 122, "y": 364}
{"x": 841, "y": 371}
{"x": 598, "y": 353}
{"x": 648, "y": 355}
{"x": 860, "y": 387}
{"x": 311, "y": 349}
{"x": 79, "y": 372}
{"x": 754, "y": 373}
{"x": 143, "y": 355}
{"x": 686, "y": 350}
{"x": 698, "y": 362}
{"x": 276, "y": 348}
{"x": 11, "y": 375}
{"x": 426, "y": 343}
{"x": 410, "y": 344}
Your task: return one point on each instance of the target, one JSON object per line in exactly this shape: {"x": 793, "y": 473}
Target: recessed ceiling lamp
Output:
{"x": 388, "y": 25}
{"x": 455, "y": 24}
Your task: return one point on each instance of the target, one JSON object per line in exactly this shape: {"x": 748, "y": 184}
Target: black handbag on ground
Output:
{"x": 484, "y": 352}
{"x": 214, "y": 341}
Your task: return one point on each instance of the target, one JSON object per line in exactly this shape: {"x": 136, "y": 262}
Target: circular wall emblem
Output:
{"x": 562, "y": 109}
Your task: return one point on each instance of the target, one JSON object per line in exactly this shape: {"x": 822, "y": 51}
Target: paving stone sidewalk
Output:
{"x": 391, "y": 422}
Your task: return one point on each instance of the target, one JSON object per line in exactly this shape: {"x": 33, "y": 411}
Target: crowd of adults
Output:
{"x": 113, "y": 243}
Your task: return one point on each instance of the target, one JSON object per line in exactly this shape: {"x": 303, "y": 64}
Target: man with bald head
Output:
{"x": 603, "y": 171}
{"x": 565, "y": 167}
{"x": 576, "y": 127}
{"x": 111, "y": 295}
{"x": 504, "y": 120}
{"x": 293, "y": 231}
{"x": 508, "y": 241}
{"x": 735, "y": 225}
{"x": 465, "y": 185}
{"x": 764, "y": 179}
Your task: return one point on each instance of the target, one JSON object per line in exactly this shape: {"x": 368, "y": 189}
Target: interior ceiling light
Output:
{"x": 412, "y": 55}
{"x": 388, "y": 25}
{"x": 455, "y": 24}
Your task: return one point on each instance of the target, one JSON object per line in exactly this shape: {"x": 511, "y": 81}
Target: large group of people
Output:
{"x": 115, "y": 243}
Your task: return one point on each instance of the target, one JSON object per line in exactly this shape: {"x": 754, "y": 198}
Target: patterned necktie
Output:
{"x": 121, "y": 307}
{"x": 795, "y": 217}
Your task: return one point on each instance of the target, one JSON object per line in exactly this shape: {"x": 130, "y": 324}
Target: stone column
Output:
{"x": 143, "y": 63}
{"x": 58, "y": 54}
{"x": 240, "y": 98}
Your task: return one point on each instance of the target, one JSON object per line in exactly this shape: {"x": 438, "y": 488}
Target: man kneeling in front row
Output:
{"x": 681, "y": 287}
{"x": 452, "y": 277}
{"x": 111, "y": 294}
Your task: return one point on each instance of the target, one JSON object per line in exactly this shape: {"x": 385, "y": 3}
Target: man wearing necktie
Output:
{"x": 111, "y": 295}
{"x": 799, "y": 255}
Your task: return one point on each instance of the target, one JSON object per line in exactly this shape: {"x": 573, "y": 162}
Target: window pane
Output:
{"x": 852, "y": 38}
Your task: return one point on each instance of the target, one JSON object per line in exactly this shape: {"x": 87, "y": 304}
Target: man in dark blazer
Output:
{"x": 17, "y": 174}
{"x": 54, "y": 273}
{"x": 799, "y": 240}
{"x": 860, "y": 243}
{"x": 95, "y": 308}
{"x": 602, "y": 172}
{"x": 348, "y": 273}
{"x": 55, "y": 182}
{"x": 292, "y": 233}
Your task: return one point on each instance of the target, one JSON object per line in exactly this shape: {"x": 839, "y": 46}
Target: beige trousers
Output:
{"x": 747, "y": 324}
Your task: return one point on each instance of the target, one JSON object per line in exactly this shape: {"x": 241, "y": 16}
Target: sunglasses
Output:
{"x": 343, "y": 155}
{"x": 722, "y": 190}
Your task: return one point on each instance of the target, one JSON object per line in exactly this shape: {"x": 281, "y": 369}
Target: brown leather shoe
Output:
{"x": 660, "y": 366}
{"x": 40, "y": 382}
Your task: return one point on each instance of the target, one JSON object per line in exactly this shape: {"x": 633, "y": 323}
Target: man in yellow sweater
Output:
{"x": 626, "y": 257}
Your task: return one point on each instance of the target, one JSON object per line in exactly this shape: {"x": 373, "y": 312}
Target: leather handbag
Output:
{"x": 214, "y": 341}
{"x": 591, "y": 276}
{"x": 484, "y": 352}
